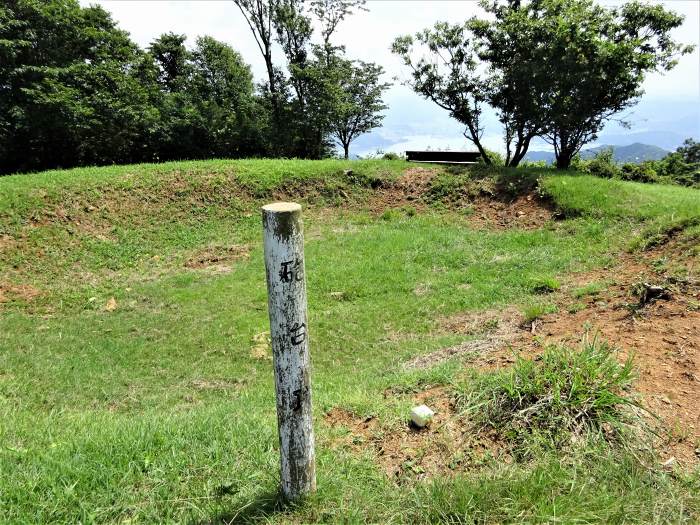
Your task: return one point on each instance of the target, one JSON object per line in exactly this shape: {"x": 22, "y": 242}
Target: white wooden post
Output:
{"x": 286, "y": 289}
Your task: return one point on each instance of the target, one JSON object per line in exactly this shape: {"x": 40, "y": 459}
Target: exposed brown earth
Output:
{"x": 663, "y": 337}
{"x": 448, "y": 445}
{"x": 217, "y": 258}
{"x": 24, "y": 292}
{"x": 527, "y": 212}
{"x": 486, "y": 208}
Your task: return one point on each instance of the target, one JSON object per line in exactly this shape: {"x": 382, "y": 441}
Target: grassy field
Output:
{"x": 135, "y": 379}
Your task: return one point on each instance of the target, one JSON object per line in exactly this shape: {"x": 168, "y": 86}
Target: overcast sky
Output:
{"x": 410, "y": 121}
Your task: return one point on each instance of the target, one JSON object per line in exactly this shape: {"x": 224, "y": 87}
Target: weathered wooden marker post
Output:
{"x": 286, "y": 288}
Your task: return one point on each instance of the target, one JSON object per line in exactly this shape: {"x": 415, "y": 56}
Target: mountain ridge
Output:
{"x": 635, "y": 153}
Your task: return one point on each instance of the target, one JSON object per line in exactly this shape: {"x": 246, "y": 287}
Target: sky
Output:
{"x": 668, "y": 112}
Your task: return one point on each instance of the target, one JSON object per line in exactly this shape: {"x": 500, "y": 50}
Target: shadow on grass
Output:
{"x": 260, "y": 508}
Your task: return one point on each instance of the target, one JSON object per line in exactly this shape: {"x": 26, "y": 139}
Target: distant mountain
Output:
{"x": 636, "y": 152}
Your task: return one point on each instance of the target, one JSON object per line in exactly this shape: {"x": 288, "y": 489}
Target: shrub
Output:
{"x": 390, "y": 155}
{"x": 495, "y": 157}
{"x": 643, "y": 172}
{"x": 545, "y": 285}
{"x": 603, "y": 165}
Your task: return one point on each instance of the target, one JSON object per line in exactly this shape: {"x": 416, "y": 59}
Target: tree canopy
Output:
{"x": 76, "y": 90}
{"x": 558, "y": 69}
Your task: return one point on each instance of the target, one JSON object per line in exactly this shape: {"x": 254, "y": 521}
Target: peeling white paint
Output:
{"x": 286, "y": 286}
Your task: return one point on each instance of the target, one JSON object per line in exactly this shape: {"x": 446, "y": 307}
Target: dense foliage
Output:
{"x": 75, "y": 90}
{"x": 679, "y": 167}
{"x": 558, "y": 69}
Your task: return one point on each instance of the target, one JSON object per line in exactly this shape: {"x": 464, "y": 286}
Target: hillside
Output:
{"x": 135, "y": 364}
{"x": 636, "y": 152}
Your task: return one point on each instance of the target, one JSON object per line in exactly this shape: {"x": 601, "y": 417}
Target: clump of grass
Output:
{"x": 566, "y": 392}
{"x": 536, "y": 311}
{"x": 590, "y": 289}
{"x": 576, "y": 307}
{"x": 543, "y": 285}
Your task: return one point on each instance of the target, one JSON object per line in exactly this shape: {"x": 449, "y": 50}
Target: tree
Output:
{"x": 690, "y": 151}
{"x": 517, "y": 73}
{"x": 448, "y": 75}
{"x": 299, "y": 99}
{"x": 598, "y": 59}
{"x": 222, "y": 85}
{"x": 355, "y": 99}
{"x": 72, "y": 85}
{"x": 173, "y": 60}
{"x": 330, "y": 13}
{"x": 260, "y": 15}
{"x": 554, "y": 68}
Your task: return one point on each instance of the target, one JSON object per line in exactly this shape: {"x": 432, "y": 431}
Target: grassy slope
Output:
{"x": 159, "y": 411}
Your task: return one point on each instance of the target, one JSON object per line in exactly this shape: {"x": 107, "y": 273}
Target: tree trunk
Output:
{"x": 564, "y": 160}
{"x": 474, "y": 137}
{"x": 346, "y": 147}
{"x": 520, "y": 152}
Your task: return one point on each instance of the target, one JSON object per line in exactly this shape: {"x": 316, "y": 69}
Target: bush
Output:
{"x": 390, "y": 155}
{"x": 643, "y": 172}
{"x": 495, "y": 157}
{"x": 603, "y": 165}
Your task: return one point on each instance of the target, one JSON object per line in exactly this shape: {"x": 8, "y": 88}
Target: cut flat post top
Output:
{"x": 286, "y": 288}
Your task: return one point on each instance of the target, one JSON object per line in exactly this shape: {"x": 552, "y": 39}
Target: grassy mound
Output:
{"x": 135, "y": 374}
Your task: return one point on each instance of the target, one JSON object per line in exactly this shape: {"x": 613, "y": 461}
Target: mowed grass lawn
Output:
{"x": 136, "y": 387}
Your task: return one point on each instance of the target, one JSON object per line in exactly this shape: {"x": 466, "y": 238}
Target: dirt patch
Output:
{"x": 217, "y": 258}
{"x": 447, "y": 446}
{"x": 489, "y": 211}
{"x": 496, "y": 328}
{"x": 528, "y": 212}
{"x": 407, "y": 190}
{"x": 663, "y": 336}
{"x": 21, "y": 292}
{"x": 6, "y": 242}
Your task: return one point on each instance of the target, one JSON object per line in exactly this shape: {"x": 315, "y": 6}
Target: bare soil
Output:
{"x": 217, "y": 258}
{"x": 486, "y": 210}
{"x": 23, "y": 292}
{"x": 527, "y": 212}
{"x": 663, "y": 337}
{"x": 448, "y": 445}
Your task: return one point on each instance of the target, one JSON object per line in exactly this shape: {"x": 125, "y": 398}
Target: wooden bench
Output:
{"x": 444, "y": 157}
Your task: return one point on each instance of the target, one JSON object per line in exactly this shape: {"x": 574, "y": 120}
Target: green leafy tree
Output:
{"x": 444, "y": 69}
{"x": 222, "y": 85}
{"x": 300, "y": 96}
{"x": 260, "y": 16}
{"x": 72, "y": 88}
{"x": 518, "y": 75}
{"x": 598, "y": 59}
{"x": 690, "y": 151}
{"x": 554, "y": 68}
{"x": 354, "y": 104}
{"x": 173, "y": 61}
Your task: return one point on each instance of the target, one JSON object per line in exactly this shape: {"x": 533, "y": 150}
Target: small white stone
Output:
{"x": 421, "y": 415}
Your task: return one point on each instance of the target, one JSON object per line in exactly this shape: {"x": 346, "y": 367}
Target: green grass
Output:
{"x": 663, "y": 210}
{"x": 567, "y": 393}
{"x": 160, "y": 410}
